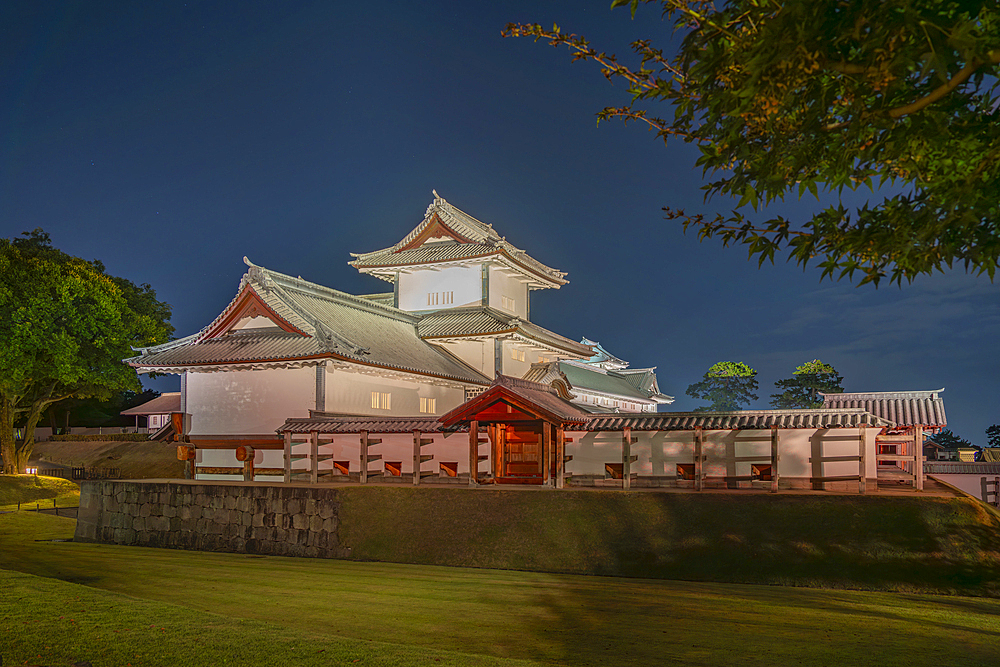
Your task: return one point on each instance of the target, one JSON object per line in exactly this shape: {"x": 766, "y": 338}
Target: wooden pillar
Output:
{"x": 314, "y": 456}
{"x": 498, "y": 440}
{"x": 546, "y": 454}
{"x": 862, "y": 451}
{"x": 699, "y": 436}
{"x": 246, "y": 454}
{"x": 774, "y": 459}
{"x": 416, "y": 458}
{"x": 288, "y": 457}
{"x": 560, "y": 457}
{"x": 473, "y": 453}
{"x": 627, "y": 458}
{"x": 918, "y": 457}
{"x": 364, "y": 457}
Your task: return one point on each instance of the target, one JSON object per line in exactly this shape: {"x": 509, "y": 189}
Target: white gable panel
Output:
{"x": 248, "y": 402}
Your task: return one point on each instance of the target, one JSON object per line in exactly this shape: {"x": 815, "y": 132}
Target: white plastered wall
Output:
{"x": 659, "y": 452}
{"x": 502, "y": 285}
{"x": 394, "y": 448}
{"x": 351, "y": 393}
{"x": 465, "y": 282}
{"x": 477, "y": 353}
{"x": 248, "y": 402}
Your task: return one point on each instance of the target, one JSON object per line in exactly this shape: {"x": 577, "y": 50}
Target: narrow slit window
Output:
{"x": 381, "y": 400}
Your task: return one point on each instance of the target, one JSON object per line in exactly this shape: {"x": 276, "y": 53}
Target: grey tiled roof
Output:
{"x": 617, "y": 383}
{"x": 371, "y": 424}
{"x": 337, "y": 325}
{"x": 905, "y": 408}
{"x": 483, "y": 320}
{"x": 483, "y": 242}
{"x": 664, "y": 421}
{"x": 742, "y": 419}
{"x": 163, "y": 404}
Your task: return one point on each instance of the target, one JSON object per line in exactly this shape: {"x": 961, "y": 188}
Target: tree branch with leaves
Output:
{"x": 785, "y": 98}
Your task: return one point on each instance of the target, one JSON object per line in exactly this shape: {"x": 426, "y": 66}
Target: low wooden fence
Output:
{"x": 79, "y": 474}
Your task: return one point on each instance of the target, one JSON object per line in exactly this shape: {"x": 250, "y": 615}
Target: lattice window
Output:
{"x": 472, "y": 392}
{"x": 428, "y": 405}
{"x": 381, "y": 400}
{"x": 516, "y": 354}
{"x": 507, "y": 303}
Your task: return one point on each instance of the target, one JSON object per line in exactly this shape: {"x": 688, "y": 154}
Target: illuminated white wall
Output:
{"x": 248, "y": 402}
{"x": 351, "y": 393}
{"x": 465, "y": 283}
{"x": 503, "y": 285}
{"x": 660, "y": 452}
{"x": 477, "y": 353}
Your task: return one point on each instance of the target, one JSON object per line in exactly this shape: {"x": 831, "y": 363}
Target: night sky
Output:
{"x": 170, "y": 139}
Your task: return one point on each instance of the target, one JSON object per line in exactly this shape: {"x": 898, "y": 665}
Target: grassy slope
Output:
{"x": 50, "y": 622}
{"x": 137, "y": 460}
{"x": 902, "y": 544}
{"x": 567, "y": 619}
{"x": 31, "y": 489}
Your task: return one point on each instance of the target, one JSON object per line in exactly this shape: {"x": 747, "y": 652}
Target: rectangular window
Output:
{"x": 381, "y": 400}
{"x": 516, "y": 354}
{"x": 428, "y": 405}
{"x": 440, "y": 298}
{"x": 507, "y": 303}
{"x": 685, "y": 471}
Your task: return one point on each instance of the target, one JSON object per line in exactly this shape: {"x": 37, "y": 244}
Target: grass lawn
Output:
{"x": 35, "y": 489}
{"x": 136, "y": 460}
{"x": 412, "y": 614}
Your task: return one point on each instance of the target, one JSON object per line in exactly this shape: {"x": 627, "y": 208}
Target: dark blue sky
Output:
{"x": 170, "y": 139}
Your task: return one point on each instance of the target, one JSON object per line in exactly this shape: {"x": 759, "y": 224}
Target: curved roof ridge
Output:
{"x": 324, "y": 291}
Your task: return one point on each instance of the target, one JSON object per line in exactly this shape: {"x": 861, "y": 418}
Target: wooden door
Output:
{"x": 522, "y": 451}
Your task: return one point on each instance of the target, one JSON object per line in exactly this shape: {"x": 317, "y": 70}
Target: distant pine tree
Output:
{"x": 803, "y": 388}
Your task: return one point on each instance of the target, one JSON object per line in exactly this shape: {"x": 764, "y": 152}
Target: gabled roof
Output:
{"x": 520, "y": 396}
{"x": 472, "y": 321}
{"x": 322, "y": 323}
{"x": 604, "y": 358}
{"x": 637, "y": 385}
{"x": 165, "y": 403}
{"x": 905, "y": 408}
{"x": 448, "y": 234}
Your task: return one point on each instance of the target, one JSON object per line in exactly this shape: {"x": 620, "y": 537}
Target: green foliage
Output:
{"x": 788, "y": 97}
{"x": 948, "y": 439}
{"x": 66, "y": 326}
{"x": 728, "y": 385}
{"x": 993, "y": 435}
{"x": 803, "y": 388}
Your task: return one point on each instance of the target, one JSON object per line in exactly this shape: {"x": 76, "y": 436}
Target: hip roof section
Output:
{"x": 473, "y": 321}
{"x": 328, "y": 324}
{"x": 447, "y": 234}
{"x": 905, "y": 408}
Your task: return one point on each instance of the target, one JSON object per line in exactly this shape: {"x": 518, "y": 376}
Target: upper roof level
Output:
{"x": 448, "y": 236}
{"x": 905, "y": 408}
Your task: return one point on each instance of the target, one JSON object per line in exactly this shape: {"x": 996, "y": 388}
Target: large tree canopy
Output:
{"x": 727, "y": 385}
{"x": 65, "y": 326}
{"x": 803, "y": 388}
{"x": 784, "y": 97}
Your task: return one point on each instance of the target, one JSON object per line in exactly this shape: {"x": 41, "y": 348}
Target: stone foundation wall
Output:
{"x": 278, "y": 520}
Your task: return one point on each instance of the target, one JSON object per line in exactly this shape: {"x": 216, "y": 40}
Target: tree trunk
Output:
{"x": 28, "y": 444}
{"x": 7, "y": 444}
